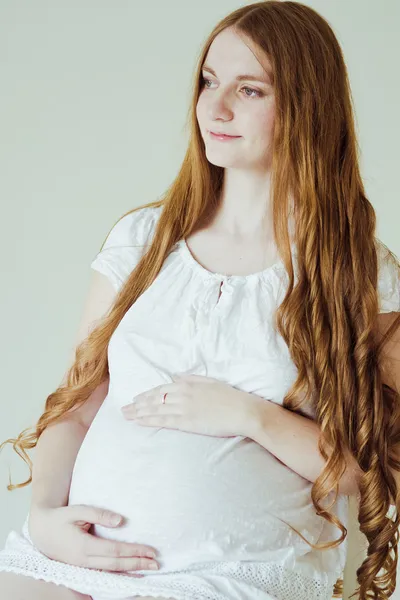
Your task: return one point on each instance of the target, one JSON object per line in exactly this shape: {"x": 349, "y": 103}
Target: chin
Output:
{"x": 227, "y": 164}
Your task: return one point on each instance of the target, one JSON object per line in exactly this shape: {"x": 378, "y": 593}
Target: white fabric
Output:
{"x": 216, "y": 509}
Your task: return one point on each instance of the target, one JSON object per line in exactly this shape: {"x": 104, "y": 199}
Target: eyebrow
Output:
{"x": 240, "y": 77}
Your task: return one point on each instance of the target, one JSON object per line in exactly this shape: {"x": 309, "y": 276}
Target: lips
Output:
{"x": 223, "y": 134}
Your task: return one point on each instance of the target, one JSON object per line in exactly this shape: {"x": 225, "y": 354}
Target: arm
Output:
{"x": 59, "y": 443}
{"x": 56, "y": 452}
{"x": 55, "y": 456}
{"x": 61, "y": 531}
{"x": 293, "y": 438}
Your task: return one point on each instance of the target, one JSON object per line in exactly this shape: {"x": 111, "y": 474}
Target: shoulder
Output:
{"x": 134, "y": 228}
{"x": 388, "y": 279}
{"x": 389, "y": 313}
{"x": 125, "y": 243}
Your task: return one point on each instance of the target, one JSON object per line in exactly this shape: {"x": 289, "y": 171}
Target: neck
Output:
{"x": 245, "y": 208}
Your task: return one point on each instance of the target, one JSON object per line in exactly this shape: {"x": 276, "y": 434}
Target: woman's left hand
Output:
{"x": 196, "y": 404}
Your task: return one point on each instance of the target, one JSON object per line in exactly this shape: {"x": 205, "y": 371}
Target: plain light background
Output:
{"x": 93, "y": 100}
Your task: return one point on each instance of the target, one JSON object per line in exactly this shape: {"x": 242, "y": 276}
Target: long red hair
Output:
{"x": 328, "y": 318}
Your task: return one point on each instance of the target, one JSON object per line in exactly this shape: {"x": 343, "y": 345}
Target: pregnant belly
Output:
{"x": 194, "y": 498}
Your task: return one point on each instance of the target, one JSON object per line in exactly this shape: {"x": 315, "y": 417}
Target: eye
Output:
{"x": 257, "y": 93}
{"x": 205, "y": 81}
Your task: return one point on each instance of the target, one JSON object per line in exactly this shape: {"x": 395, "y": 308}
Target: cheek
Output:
{"x": 261, "y": 123}
{"x": 200, "y": 110}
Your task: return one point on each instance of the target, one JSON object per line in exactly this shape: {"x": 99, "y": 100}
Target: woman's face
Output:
{"x": 243, "y": 108}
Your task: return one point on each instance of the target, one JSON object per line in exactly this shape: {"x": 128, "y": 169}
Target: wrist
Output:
{"x": 259, "y": 414}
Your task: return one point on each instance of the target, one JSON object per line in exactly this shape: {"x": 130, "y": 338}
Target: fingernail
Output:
{"x": 151, "y": 554}
{"x": 153, "y": 566}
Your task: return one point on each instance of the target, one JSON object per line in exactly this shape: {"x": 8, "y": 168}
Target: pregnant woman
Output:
{"x": 228, "y": 391}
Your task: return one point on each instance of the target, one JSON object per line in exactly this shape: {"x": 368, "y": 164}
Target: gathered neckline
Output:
{"x": 190, "y": 259}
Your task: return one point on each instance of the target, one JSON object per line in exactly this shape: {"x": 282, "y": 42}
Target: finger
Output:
{"x": 118, "y": 564}
{"x": 145, "y": 410}
{"x": 96, "y": 546}
{"x": 154, "y": 405}
{"x": 158, "y": 391}
{"x": 94, "y": 515}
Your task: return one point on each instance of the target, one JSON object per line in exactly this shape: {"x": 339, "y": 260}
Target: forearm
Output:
{"x": 57, "y": 449}
{"x": 53, "y": 463}
{"x": 293, "y": 439}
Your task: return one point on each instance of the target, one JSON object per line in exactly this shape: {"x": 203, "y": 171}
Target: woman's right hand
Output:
{"x": 62, "y": 534}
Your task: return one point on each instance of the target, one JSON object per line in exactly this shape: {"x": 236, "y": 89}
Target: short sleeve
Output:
{"x": 125, "y": 245}
{"x": 388, "y": 281}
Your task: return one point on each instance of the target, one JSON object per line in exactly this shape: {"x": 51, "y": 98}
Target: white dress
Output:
{"x": 216, "y": 509}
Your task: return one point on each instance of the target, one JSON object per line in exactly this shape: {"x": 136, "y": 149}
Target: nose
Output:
{"x": 219, "y": 106}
